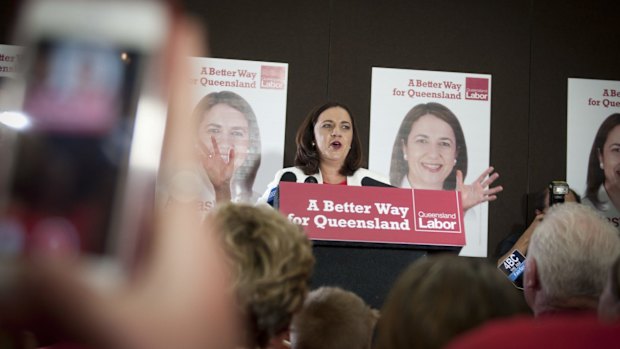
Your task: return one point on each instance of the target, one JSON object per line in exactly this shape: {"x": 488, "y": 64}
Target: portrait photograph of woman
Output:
{"x": 238, "y": 133}
{"x": 593, "y": 144}
{"x": 424, "y": 134}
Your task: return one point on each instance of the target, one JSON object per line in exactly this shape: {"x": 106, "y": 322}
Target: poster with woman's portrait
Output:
{"x": 10, "y": 58}
{"x": 239, "y": 114}
{"x": 593, "y": 144}
{"x": 426, "y": 129}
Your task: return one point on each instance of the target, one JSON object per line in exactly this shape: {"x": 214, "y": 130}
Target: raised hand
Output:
{"x": 219, "y": 170}
{"x": 479, "y": 191}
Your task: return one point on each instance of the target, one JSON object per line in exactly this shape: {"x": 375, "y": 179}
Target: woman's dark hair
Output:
{"x": 307, "y": 157}
{"x": 596, "y": 175}
{"x": 246, "y": 173}
{"x": 440, "y": 297}
{"x": 399, "y": 167}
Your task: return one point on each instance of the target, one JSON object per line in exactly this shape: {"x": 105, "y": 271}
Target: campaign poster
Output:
{"x": 592, "y": 110}
{"x": 456, "y": 135}
{"x": 239, "y": 109}
{"x": 10, "y": 58}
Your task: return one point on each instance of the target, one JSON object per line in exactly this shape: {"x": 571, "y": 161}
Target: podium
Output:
{"x": 382, "y": 215}
{"x": 364, "y": 237}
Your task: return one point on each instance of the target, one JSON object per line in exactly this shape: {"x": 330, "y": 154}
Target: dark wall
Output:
{"x": 569, "y": 39}
{"x": 293, "y": 32}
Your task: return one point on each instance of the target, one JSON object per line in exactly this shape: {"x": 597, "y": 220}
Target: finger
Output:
{"x": 494, "y": 190}
{"x": 231, "y": 155}
{"x": 489, "y": 180}
{"x": 484, "y": 174}
{"x": 491, "y": 198}
{"x": 230, "y": 165}
{"x": 459, "y": 179}
{"x": 216, "y": 148}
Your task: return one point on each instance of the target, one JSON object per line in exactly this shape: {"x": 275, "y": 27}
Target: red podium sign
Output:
{"x": 375, "y": 214}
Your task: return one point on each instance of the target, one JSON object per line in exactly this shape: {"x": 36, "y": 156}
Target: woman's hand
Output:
{"x": 478, "y": 191}
{"x": 218, "y": 170}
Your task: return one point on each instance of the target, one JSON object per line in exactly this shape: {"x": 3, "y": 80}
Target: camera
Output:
{"x": 83, "y": 167}
{"x": 557, "y": 192}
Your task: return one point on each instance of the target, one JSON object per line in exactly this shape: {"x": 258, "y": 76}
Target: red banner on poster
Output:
{"x": 375, "y": 214}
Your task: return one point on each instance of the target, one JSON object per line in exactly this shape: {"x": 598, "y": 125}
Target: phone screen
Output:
{"x": 70, "y": 164}
{"x": 514, "y": 267}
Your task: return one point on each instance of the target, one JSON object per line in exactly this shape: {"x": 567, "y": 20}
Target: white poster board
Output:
{"x": 591, "y": 107}
{"x": 263, "y": 87}
{"x": 590, "y": 102}
{"x": 468, "y": 96}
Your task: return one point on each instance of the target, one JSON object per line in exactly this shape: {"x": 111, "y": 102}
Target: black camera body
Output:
{"x": 557, "y": 192}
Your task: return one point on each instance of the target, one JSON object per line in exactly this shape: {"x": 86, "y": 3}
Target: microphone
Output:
{"x": 273, "y": 199}
{"x": 311, "y": 179}
{"x": 288, "y": 176}
{"x": 369, "y": 182}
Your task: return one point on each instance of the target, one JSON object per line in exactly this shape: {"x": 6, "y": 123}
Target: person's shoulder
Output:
{"x": 562, "y": 331}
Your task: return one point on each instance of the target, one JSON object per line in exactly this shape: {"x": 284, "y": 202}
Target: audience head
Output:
{"x": 333, "y": 318}
{"x": 609, "y": 303}
{"x": 308, "y": 157}
{"x": 442, "y": 296}
{"x": 569, "y": 256}
{"x": 271, "y": 261}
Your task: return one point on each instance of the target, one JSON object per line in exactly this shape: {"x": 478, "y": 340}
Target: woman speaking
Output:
{"x": 329, "y": 151}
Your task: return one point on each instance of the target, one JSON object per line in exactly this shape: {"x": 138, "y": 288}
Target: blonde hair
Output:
{"x": 272, "y": 261}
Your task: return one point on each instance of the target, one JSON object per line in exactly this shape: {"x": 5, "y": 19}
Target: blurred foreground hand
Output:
{"x": 180, "y": 297}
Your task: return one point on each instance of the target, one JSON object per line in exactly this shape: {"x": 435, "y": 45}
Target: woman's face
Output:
{"x": 230, "y": 129}
{"x": 333, "y": 133}
{"x": 430, "y": 152}
{"x": 609, "y": 156}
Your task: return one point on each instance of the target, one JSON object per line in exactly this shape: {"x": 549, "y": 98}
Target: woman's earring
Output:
{"x": 455, "y": 161}
{"x": 313, "y": 144}
{"x": 405, "y": 157}
{"x": 601, "y": 166}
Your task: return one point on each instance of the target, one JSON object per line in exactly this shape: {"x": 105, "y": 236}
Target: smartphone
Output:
{"x": 84, "y": 160}
{"x": 514, "y": 267}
